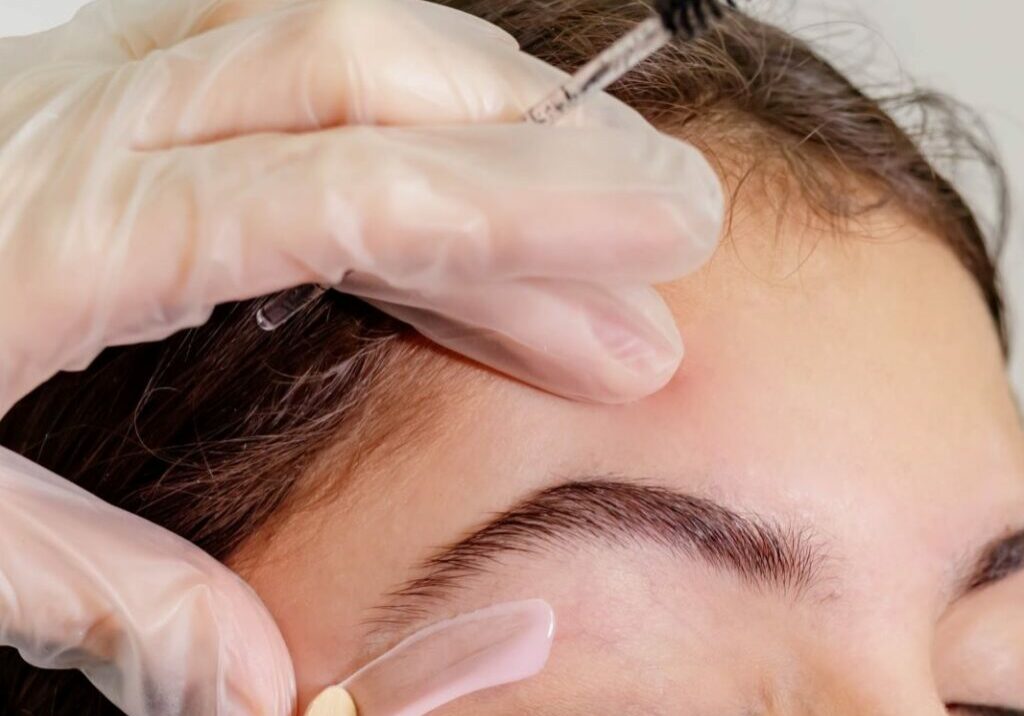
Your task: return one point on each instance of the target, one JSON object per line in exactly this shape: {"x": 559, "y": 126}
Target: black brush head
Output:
{"x": 689, "y": 18}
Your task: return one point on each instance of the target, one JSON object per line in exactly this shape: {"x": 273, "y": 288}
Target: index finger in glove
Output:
{"x": 161, "y": 628}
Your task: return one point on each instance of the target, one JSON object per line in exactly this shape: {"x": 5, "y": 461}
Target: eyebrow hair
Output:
{"x": 1000, "y": 560}
{"x": 762, "y": 553}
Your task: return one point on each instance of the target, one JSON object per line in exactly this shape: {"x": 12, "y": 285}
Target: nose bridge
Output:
{"x": 856, "y": 700}
{"x": 879, "y": 683}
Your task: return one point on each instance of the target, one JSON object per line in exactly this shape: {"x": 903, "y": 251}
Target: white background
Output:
{"x": 973, "y": 50}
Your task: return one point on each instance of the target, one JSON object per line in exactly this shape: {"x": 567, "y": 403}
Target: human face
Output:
{"x": 821, "y": 513}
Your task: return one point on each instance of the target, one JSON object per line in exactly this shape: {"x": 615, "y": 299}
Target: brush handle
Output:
{"x": 629, "y": 51}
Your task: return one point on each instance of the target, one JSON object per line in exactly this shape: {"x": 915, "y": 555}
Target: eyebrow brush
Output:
{"x": 685, "y": 19}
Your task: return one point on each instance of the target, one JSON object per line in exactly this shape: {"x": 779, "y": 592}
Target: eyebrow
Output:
{"x": 762, "y": 553}
{"x": 1000, "y": 560}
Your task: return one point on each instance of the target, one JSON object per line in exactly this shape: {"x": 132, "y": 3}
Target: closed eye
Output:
{"x": 968, "y": 710}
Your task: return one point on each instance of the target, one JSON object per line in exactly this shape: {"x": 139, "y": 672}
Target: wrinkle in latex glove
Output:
{"x": 497, "y": 645}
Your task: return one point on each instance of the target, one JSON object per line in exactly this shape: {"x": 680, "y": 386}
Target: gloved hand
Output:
{"x": 161, "y": 157}
{"x": 160, "y": 627}
{"x": 158, "y": 157}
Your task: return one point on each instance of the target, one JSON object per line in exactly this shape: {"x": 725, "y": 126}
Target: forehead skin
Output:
{"x": 856, "y": 387}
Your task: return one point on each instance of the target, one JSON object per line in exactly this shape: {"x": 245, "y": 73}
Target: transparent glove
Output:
{"x": 158, "y": 157}
{"x": 160, "y": 627}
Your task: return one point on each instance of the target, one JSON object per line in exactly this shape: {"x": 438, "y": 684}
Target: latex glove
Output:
{"x": 160, "y": 627}
{"x": 159, "y": 157}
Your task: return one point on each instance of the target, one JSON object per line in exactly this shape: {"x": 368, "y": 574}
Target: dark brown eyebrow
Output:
{"x": 760, "y": 552}
{"x": 1000, "y": 560}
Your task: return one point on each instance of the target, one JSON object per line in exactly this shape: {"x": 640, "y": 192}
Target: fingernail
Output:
{"x": 644, "y": 350}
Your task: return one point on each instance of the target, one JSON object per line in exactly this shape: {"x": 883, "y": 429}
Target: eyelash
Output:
{"x": 968, "y": 710}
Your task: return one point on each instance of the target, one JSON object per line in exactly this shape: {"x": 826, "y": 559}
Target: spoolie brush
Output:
{"x": 686, "y": 19}
{"x": 690, "y": 18}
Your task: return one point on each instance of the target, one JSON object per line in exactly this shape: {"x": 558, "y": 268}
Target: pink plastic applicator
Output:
{"x": 497, "y": 645}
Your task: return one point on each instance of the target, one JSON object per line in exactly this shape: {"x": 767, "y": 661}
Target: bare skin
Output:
{"x": 853, "y": 394}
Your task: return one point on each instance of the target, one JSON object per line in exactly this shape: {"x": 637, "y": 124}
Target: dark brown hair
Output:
{"x": 209, "y": 432}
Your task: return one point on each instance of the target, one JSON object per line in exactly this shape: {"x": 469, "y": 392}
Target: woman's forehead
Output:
{"x": 861, "y": 370}
{"x": 805, "y": 395}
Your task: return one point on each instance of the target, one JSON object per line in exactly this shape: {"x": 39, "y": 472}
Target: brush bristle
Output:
{"x": 689, "y": 18}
